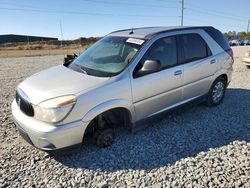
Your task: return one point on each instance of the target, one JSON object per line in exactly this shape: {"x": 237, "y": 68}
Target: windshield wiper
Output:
{"x": 81, "y": 69}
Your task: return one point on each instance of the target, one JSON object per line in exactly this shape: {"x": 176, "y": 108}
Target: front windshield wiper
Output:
{"x": 81, "y": 69}
{"x": 92, "y": 72}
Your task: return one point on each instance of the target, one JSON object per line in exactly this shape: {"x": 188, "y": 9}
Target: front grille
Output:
{"x": 25, "y": 106}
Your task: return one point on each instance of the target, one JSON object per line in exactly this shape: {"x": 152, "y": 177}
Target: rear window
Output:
{"x": 218, "y": 37}
{"x": 194, "y": 47}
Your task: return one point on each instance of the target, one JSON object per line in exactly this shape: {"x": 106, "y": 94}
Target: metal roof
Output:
{"x": 149, "y": 32}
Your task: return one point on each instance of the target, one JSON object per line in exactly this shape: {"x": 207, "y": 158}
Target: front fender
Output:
{"x": 108, "y": 105}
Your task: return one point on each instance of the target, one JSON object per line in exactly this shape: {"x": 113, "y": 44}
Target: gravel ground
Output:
{"x": 193, "y": 147}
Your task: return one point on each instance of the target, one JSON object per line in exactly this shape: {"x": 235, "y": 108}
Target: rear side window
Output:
{"x": 194, "y": 47}
{"x": 218, "y": 37}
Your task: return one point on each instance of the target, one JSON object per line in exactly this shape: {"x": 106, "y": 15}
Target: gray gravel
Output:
{"x": 193, "y": 147}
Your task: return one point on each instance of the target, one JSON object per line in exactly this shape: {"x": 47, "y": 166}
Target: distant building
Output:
{"x": 23, "y": 38}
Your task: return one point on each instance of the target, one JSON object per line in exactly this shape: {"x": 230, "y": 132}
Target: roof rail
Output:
{"x": 133, "y": 29}
{"x": 177, "y": 29}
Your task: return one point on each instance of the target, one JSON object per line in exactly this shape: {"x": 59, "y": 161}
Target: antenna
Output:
{"x": 132, "y": 31}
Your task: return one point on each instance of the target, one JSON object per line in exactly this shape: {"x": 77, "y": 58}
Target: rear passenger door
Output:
{"x": 199, "y": 65}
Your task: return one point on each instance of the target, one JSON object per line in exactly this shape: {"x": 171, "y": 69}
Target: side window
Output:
{"x": 194, "y": 47}
{"x": 164, "y": 50}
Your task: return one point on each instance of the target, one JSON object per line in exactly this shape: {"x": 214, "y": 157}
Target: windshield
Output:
{"x": 107, "y": 57}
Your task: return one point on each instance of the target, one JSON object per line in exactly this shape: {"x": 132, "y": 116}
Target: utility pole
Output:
{"x": 248, "y": 25}
{"x": 28, "y": 40}
{"x": 182, "y": 11}
{"x": 61, "y": 34}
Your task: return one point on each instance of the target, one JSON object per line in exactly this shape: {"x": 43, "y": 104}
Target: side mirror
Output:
{"x": 149, "y": 66}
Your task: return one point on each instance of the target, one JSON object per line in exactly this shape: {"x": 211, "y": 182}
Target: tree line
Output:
{"x": 237, "y": 35}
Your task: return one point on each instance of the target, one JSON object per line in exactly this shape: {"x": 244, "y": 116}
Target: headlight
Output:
{"x": 54, "y": 110}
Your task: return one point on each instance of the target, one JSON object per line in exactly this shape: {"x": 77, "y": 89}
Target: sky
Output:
{"x": 91, "y": 18}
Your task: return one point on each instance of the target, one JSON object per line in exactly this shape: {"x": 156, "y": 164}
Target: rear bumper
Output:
{"x": 48, "y": 136}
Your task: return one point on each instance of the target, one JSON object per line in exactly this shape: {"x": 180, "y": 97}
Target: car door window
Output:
{"x": 194, "y": 47}
{"x": 164, "y": 50}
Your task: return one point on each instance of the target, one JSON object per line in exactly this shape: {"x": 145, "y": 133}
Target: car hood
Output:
{"x": 58, "y": 81}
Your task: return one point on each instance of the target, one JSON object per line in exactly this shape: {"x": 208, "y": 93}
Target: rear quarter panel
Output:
{"x": 223, "y": 59}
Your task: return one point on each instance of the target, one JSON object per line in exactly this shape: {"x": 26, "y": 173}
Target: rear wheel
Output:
{"x": 248, "y": 66}
{"x": 217, "y": 92}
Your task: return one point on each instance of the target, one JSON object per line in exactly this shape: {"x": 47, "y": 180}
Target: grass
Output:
{"x": 41, "y": 48}
{"x": 41, "y": 52}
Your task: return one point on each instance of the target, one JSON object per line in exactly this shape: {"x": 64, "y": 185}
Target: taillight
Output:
{"x": 231, "y": 53}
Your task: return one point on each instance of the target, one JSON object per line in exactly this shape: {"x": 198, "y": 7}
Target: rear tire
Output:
{"x": 248, "y": 66}
{"x": 216, "y": 92}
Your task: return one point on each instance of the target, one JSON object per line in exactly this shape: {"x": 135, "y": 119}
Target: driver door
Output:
{"x": 155, "y": 92}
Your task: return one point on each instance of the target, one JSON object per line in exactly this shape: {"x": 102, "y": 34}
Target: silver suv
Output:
{"x": 124, "y": 78}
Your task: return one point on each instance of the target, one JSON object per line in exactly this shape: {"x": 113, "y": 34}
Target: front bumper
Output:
{"x": 47, "y": 136}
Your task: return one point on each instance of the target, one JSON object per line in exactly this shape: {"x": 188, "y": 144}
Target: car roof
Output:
{"x": 149, "y": 32}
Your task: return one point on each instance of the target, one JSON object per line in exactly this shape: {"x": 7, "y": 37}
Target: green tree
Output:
{"x": 248, "y": 35}
{"x": 242, "y": 35}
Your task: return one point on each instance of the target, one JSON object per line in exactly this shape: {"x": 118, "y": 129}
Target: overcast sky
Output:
{"x": 98, "y": 17}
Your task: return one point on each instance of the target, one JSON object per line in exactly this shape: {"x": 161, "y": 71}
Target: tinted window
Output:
{"x": 194, "y": 47}
{"x": 218, "y": 37}
{"x": 164, "y": 50}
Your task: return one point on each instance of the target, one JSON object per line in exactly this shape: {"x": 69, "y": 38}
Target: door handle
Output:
{"x": 212, "y": 61}
{"x": 179, "y": 72}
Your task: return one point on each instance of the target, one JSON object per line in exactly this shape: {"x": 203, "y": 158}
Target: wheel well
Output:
{"x": 224, "y": 76}
{"x": 116, "y": 117}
